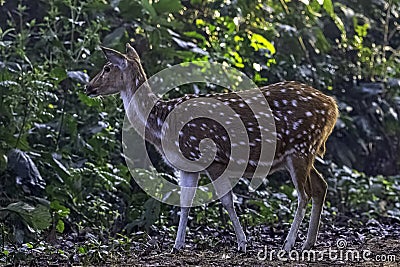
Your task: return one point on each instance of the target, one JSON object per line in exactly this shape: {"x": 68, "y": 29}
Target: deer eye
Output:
{"x": 107, "y": 69}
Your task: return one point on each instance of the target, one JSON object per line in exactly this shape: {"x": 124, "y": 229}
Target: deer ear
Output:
{"x": 115, "y": 57}
{"x": 131, "y": 52}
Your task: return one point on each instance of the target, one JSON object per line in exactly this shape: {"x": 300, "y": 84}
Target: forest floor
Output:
{"x": 374, "y": 244}
{"x": 378, "y": 245}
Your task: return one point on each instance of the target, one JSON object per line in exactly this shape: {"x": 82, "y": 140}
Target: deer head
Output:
{"x": 127, "y": 69}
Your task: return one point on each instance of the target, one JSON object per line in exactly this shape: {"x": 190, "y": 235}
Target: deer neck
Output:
{"x": 138, "y": 99}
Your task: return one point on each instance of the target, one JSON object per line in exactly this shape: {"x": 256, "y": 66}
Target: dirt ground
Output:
{"x": 375, "y": 245}
{"x": 371, "y": 244}
{"x": 378, "y": 252}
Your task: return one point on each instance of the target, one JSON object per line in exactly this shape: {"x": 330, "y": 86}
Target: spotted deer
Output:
{"x": 303, "y": 116}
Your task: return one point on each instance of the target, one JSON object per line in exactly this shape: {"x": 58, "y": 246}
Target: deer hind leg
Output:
{"x": 227, "y": 202}
{"x": 223, "y": 187}
{"x": 187, "y": 182}
{"x": 299, "y": 175}
{"x": 318, "y": 190}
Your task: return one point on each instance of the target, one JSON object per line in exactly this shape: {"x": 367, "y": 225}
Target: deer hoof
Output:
{"x": 288, "y": 245}
{"x": 242, "y": 246}
{"x": 307, "y": 245}
{"x": 177, "y": 247}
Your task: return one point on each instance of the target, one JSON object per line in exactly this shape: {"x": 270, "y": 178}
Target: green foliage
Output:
{"x": 36, "y": 217}
{"x": 344, "y": 48}
{"x": 374, "y": 196}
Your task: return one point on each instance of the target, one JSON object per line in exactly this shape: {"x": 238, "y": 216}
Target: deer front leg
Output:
{"x": 188, "y": 183}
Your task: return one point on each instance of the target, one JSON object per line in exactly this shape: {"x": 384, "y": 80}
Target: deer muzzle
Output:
{"x": 90, "y": 90}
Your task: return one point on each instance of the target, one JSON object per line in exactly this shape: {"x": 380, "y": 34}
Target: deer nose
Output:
{"x": 89, "y": 90}
{"x": 88, "y": 87}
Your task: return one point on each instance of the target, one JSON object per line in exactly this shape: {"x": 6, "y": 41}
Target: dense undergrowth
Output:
{"x": 82, "y": 189}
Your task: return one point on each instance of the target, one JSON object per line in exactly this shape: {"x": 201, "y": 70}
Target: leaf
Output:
{"x": 8, "y": 83}
{"x": 196, "y": 35}
{"x": 370, "y": 88}
{"x": 361, "y": 30}
{"x": 60, "y": 226}
{"x": 152, "y": 212}
{"x": 149, "y": 8}
{"x": 237, "y": 59}
{"x": 190, "y": 46}
{"x": 61, "y": 210}
{"x": 59, "y": 74}
{"x": 321, "y": 42}
{"x": 167, "y": 6}
{"x": 328, "y": 6}
{"x": 97, "y": 6}
{"x": 130, "y": 10}
{"x": 114, "y": 38}
{"x": 90, "y": 102}
{"x": 3, "y": 161}
{"x": 37, "y": 217}
{"x": 259, "y": 42}
{"x": 25, "y": 169}
{"x": 200, "y": 22}
{"x": 78, "y": 76}
{"x": 61, "y": 169}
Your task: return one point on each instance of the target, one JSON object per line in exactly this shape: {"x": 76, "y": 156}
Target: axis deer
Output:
{"x": 303, "y": 117}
